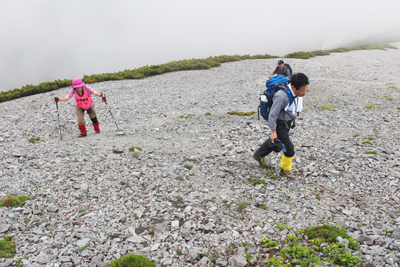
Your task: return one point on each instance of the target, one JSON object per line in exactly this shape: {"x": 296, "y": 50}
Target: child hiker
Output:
{"x": 281, "y": 118}
{"x": 84, "y": 102}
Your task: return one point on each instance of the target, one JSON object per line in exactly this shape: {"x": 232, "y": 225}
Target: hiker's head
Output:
{"x": 281, "y": 64}
{"x": 299, "y": 82}
{"x": 77, "y": 83}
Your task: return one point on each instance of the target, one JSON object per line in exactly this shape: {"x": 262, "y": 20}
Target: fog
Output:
{"x": 46, "y": 40}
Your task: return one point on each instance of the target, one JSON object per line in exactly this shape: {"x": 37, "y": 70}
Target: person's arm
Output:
{"x": 94, "y": 92}
{"x": 277, "y": 106}
{"x": 65, "y": 98}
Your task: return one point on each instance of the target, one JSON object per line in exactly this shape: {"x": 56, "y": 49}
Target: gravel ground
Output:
{"x": 182, "y": 190}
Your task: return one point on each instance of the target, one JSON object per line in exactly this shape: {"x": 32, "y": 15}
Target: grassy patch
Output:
{"x": 306, "y": 248}
{"x": 257, "y": 181}
{"x": 326, "y": 107}
{"x": 240, "y": 113}
{"x": 371, "y": 152}
{"x": 79, "y": 250}
{"x": 34, "y": 139}
{"x": 367, "y": 142}
{"x": 7, "y": 247}
{"x": 370, "y": 106}
{"x": 132, "y": 148}
{"x": 242, "y": 206}
{"x": 389, "y": 98}
{"x": 262, "y": 206}
{"x": 207, "y": 114}
{"x": 13, "y": 201}
{"x": 132, "y": 260}
{"x": 187, "y": 166}
{"x": 326, "y": 232}
{"x": 368, "y": 138}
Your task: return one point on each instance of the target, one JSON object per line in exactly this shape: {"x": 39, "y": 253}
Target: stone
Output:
{"x": 175, "y": 225}
{"x": 4, "y": 227}
{"x": 238, "y": 261}
{"x": 64, "y": 258}
{"x": 52, "y": 208}
{"x": 42, "y": 257}
{"x": 83, "y": 242}
{"x": 135, "y": 239}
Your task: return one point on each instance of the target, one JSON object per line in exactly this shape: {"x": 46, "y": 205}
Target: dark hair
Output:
{"x": 280, "y": 62}
{"x": 299, "y": 80}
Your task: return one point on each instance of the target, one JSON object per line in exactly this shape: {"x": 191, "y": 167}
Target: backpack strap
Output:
{"x": 84, "y": 89}
{"x": 290, "y": 95}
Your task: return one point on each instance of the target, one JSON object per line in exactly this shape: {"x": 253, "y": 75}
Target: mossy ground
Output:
{"x": 13, "y": 201}
{"x": 7, "y": 247}
{"x": 132, "y": 260}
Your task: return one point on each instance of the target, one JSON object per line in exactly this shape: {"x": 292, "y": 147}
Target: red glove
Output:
{"x": 56, "y": 99}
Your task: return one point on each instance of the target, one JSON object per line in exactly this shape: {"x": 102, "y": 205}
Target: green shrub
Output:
{"x": 132, "y": 148}
{"x": 7, "y": 247}
{"x": 132, "y": 260}
{"x": 367, "y": 142}
{"x": 326, "y": 107}
{"x": 13, "y": 201}
{"x": 257, "y": 181}
{"x": 326, "y": 232}
{"x": 321, "y": 52}
{"x": 370, "y": 107}
{"x": 300, "y": 55}
{"x": 242, "y": 206}
{"x": 34, "y": 139}
{"x": 368, "y": 138}
{"x": 240, "y": 113}
{"x": 187, "y": 64}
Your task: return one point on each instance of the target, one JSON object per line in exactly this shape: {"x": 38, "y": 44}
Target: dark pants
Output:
{"x": 283, "y": 135}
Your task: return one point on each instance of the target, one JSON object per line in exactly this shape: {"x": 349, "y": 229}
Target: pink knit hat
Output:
{"x": 77, "y": 82}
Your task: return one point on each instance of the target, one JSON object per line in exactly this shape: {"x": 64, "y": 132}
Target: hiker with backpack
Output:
{"x": 281, "y": 107}
{"x": 84, "y": 102}
{"x": 282, "y": 69}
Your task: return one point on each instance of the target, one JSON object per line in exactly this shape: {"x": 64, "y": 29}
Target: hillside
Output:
{"x": 184, "y": 189}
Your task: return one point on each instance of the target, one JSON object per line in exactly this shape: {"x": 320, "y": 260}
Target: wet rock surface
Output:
{"x": 93, "y": 200}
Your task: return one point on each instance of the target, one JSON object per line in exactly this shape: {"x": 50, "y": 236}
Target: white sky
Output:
{"x": 44, "y": 40}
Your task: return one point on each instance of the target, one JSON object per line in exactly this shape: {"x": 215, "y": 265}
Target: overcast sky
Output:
{"x": 44, "y": 40}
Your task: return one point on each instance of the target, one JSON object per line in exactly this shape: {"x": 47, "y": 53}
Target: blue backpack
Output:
{"x": 275, "y": 83}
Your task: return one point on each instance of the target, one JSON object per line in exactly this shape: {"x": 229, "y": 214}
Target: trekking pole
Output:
{"x": 105, "y": 101}
{"x": 59, "y": 123}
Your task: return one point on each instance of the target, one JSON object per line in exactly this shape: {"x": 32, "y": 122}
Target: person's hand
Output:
{"x": 273, "y": 136}
{"x": 56, "y": 99}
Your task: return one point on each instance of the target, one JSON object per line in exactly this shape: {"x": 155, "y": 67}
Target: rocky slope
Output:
{"x": 92, "y": 200}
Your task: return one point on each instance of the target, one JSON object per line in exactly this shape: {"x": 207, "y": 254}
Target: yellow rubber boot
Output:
{"x": 286, "y": 166}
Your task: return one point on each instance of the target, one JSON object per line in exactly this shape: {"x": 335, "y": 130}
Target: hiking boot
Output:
{"x": 82, "y": 128}
{"x": 96, "y": 127}
{"x": 262, "y": 163}
{"x": 287, "y": 174}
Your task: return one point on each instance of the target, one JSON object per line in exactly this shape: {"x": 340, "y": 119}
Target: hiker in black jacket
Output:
{"x": 281, "y": 69}
{"x": 281, "y": 118}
